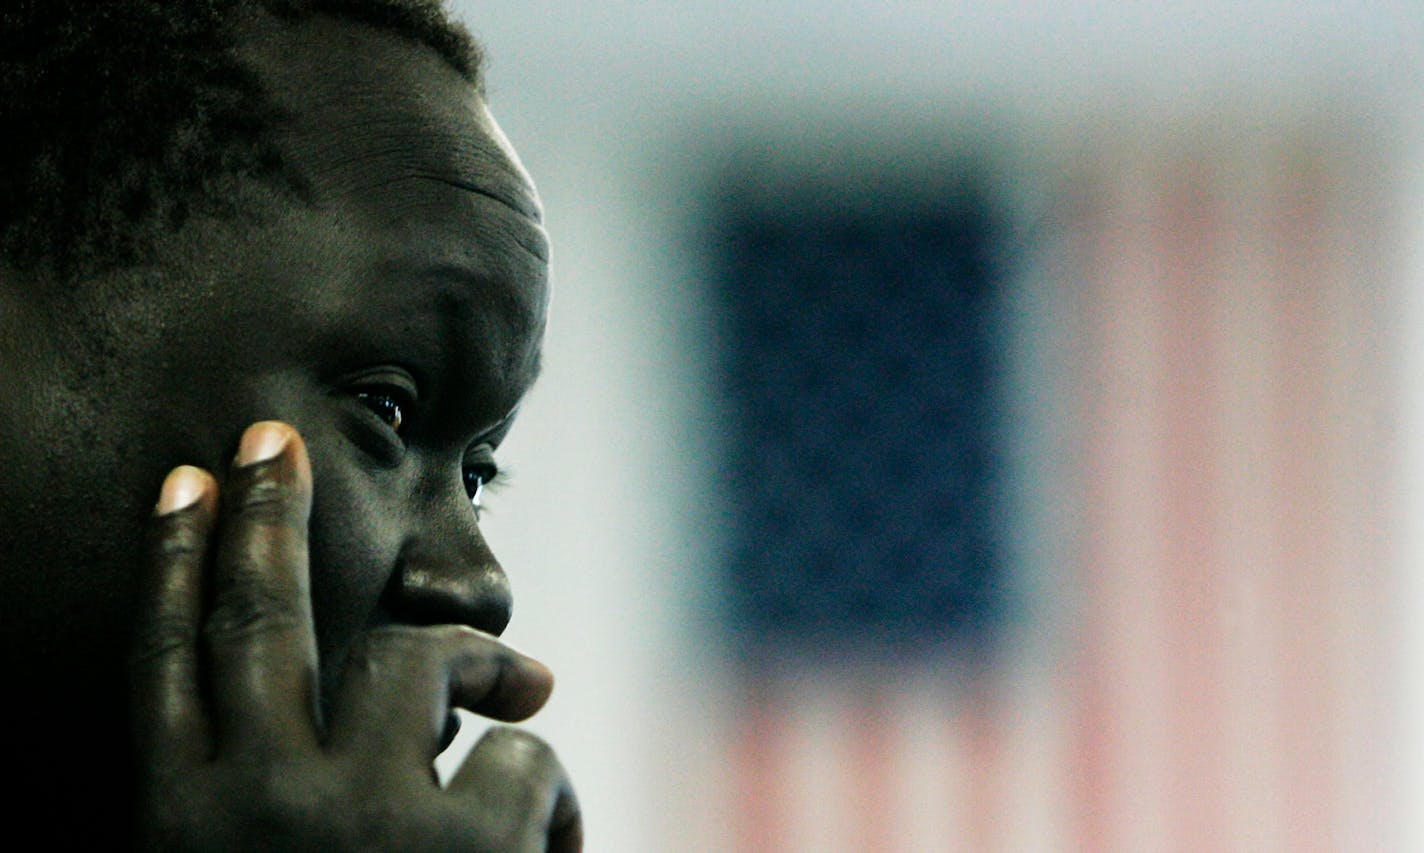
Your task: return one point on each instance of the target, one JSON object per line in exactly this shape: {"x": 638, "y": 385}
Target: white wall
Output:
{"x": 604, "y": 528}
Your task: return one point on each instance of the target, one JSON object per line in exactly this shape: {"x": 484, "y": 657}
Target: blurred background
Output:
{"x": 975, "y": 426}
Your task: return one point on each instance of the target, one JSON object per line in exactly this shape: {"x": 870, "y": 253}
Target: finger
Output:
{"x": 169, "y": 723}
{"x": 566, "y": 824}
{"x": 520, "y": 687}
{"x": 400, "y": 683}
{"x": 262, "y": 646}
{"x": 520, "y": 793}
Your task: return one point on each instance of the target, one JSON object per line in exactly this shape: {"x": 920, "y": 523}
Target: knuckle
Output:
{"x": 459, "y": 637}
{"x": 176, "y": 537}
{"x": 268, "y": 500}
{"x": 523, "y": 769}
{"x": 444, "y": 640}
{"x": 394, "y": 649}
{"x": 178, "y": 544}
{"x": 309, "y": 805}
{"x": 401, "y": 641}
{"x": 374, "y": 651}
{"x": 250, "y": 606}
{"x": 396, "y": 634}
{"x": 288, "y": 792}
{"x": 510, "y": 837}
{"x": 522, "y": 752}
{"x": 163, "y": 635}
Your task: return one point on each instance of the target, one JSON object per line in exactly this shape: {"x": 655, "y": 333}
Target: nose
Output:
{"x": 448, "y": 575}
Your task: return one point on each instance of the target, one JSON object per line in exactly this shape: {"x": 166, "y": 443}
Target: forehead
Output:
{"x": 364, "y": 106}
{"x": 417, "y": 196}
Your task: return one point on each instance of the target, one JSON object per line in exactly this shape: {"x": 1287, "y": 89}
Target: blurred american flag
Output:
{"x": 1179, "y": 641}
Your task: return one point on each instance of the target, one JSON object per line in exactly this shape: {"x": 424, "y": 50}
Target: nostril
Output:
{"x": 432, "y": 592}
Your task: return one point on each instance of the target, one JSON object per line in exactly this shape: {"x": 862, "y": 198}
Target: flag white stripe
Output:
{"x": 820, "y": 789}
{"x": 1307, "y": 514}
{"x": 926, "y": 795}
{"x": 1250, "y": 540}
{"x": 1365, "y": 582}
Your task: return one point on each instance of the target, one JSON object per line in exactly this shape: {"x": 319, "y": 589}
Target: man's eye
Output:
{"x": 385, "y": 405}
{"x": 476, "y": 478}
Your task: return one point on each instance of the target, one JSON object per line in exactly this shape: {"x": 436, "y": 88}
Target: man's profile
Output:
{"x": 273, "y": 284}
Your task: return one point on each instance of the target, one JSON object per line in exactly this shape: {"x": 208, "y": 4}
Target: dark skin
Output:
{"x": 264, "y": 651}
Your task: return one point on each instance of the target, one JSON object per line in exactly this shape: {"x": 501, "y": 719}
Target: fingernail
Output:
{"x": 182, "y": 488}
{"x": 262, "y": 441}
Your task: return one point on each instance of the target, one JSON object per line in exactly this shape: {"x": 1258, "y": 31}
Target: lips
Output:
{"x": 462, "y": 731}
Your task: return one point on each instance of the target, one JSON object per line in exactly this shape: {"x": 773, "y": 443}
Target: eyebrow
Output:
{"x": 503, "y": 423}
{"x": 454, "y": 300}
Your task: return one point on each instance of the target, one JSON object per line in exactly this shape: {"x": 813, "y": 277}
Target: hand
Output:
{"x": 232, "y": 753}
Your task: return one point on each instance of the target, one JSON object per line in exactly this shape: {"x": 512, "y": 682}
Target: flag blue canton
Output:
{"x": 863, "y": 380}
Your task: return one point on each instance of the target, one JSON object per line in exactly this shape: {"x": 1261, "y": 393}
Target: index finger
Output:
{"x": 163, "y": 654}
{"x": 401, "y": 682}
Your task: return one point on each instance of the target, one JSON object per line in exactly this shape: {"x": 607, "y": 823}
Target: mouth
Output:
{"x": 462, "y": 731}
{"x": 452, "y": 729}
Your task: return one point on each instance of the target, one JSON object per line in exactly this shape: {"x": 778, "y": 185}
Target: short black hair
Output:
{"x": 122, "y": 118}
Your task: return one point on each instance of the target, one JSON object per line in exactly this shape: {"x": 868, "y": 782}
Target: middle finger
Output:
{"x": 261, "y": 642}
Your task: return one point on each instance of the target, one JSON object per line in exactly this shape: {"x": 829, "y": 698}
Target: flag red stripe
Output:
{"x": 983, "y": 720}
{"x": 1186, "y": 242}
{"x": 872, "y": 742}
{"x": 759, "y": 756}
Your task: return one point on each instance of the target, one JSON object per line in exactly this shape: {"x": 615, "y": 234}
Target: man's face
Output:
{"x": 416, "y": 281}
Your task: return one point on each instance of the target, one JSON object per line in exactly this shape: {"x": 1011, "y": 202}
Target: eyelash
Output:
{"x": 386, "y": 404}
{"x": 478, "y": 478}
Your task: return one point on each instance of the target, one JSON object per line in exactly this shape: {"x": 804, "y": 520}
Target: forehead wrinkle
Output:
{"x": 345, "y": 173}
{"x": 522, "y": 206}
{"x": 371, "y": 114}
{"x": 529, "y": 235}
{"x": 409, "y": 144}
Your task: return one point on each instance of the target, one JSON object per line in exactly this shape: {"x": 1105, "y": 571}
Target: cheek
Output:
{"x": 356, "y": 533}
